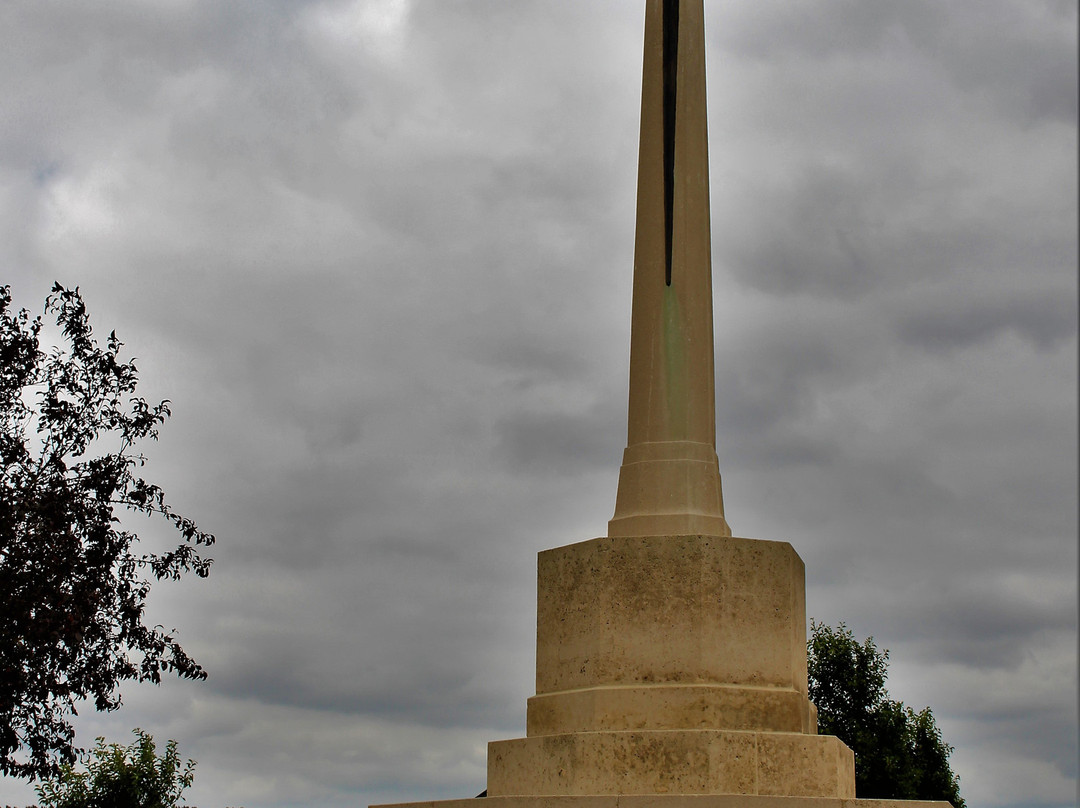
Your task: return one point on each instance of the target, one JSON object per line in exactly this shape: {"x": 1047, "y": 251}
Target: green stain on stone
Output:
{"x": 675, "y": 367}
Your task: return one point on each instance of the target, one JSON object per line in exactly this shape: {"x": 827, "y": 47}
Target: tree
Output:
{"x": 899, "y": 753}
{"x": 74, "y": 588}
{"x": 121, "y": 777}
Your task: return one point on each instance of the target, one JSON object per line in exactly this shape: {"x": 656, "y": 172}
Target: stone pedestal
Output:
{"x": 671, "y": 673}
{"x": 671, "y": 665}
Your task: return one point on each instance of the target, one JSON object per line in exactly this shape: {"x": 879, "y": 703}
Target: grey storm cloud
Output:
{"x": 378, "y": 254}
{"x": 1045, "y": 321}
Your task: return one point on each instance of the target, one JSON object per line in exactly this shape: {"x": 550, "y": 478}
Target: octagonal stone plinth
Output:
{"x": 676, "y": 610}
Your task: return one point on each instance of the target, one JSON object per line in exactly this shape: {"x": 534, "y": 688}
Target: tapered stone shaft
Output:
{"x": 669, "y": 483}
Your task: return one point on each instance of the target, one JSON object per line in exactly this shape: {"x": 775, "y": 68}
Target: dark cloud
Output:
{"x": 1046, "y": 322}
{"x": 378, "y": 254}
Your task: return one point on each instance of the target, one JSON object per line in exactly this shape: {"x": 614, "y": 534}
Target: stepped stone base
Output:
{"x": 670, "y": 801}
{"x": 671, "y": 673}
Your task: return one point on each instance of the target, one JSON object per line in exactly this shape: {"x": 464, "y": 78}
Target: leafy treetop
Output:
{"x": 899, "y": 753}
{"x": 121, "y": 777}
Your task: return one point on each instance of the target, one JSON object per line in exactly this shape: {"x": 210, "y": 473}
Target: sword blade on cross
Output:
{"x": 670, "y": 25}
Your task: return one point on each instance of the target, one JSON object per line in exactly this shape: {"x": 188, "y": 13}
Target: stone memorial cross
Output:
{"x": 670, "y": 655}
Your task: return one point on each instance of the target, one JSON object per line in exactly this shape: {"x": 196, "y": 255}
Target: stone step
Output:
{"x": 668, "y": 707}
{"x": 672, "y": 762}
{"x": 671, "y": 801}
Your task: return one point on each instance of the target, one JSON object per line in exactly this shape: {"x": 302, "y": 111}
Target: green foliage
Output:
{"x": 899, "y": 754}
{"x": 120, "y": 777}
{"x": 74, "y": 589}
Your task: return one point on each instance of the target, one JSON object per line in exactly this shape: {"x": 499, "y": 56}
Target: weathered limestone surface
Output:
{"x": 673, "y": 610}
{"x": 672, "y": 762}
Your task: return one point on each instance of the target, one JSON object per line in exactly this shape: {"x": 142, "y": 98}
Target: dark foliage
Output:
{"x": 899, "y": 753}
{"x": 74, "y": 589}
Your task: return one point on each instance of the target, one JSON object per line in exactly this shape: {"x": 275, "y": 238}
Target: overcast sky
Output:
{"x": 378, "y": 254}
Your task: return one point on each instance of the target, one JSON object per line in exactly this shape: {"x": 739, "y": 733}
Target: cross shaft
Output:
{"x": 670, "y": 479}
